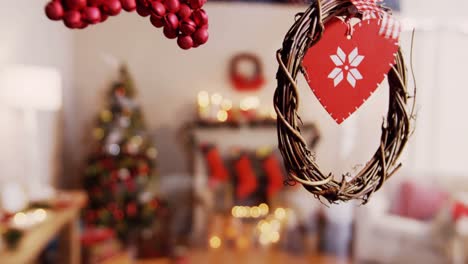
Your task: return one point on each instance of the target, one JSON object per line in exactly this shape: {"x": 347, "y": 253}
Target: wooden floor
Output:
{"x": 240, "y": 257}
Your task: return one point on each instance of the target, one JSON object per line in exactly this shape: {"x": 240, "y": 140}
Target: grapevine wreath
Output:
{"x": 307, "y": 31}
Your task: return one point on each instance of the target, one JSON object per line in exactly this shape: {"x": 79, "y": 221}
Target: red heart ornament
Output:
{"x": 344, "y": 72}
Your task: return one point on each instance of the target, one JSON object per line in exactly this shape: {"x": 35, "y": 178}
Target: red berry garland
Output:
{"x": 184, "y": 20}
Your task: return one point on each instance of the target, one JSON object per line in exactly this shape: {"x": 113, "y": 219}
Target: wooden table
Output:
{"x": 63, "y": 222}
{"x": 239, "y": 257}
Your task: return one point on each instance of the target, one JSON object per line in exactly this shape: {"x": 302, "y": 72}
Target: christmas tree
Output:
{"x": 121, "y": 167}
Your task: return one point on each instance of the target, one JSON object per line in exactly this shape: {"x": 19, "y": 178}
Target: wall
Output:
{"x": 169, "y": 80}
{"x": 28, "y": 38}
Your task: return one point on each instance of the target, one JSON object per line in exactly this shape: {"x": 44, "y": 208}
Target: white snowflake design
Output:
{"x": 348, "y": 67}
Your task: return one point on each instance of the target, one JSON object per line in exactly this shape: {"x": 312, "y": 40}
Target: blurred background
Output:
{"x": 119, "y": 147}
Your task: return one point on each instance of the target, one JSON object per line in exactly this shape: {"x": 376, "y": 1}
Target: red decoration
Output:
{"x": 275, "y": 175}
{"x": 92, "y": 15}
{"x": 242, "y": 82}
{"x": 129, "y": 5}
{"x": 173, "y": 6}
{"x": 459, "y": 210}
{"x": 158, "y": 9}
{"x": 193, "y": 30}
{"x": 112, "y": 7}
{"x": 72, "y": 19}
{"x": 76, "y": 4}
{"x": 247, "y": 180}
{"x": 185, "y": 42}
{"x": 215, "y": 164}
{"x": 54, "y": 10}
{"x": 188, "y": 27}
{"x": 200, "y": 36}
{"x": 343, "y": 71}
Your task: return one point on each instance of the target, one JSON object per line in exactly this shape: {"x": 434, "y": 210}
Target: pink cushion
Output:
{"x": 418, "y": 202}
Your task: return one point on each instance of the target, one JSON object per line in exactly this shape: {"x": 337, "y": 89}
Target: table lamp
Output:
{"x": 32, "y": 89}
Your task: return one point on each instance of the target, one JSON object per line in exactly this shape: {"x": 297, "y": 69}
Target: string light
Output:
{"x": 280, "y": 213}
{"x": 215, "y": 242}
{"x": 222, "y": 116}
{"x": 264, "y": 209}
{"x": 226, "y": 105}
{"x": 216, "y": 99}
{"x": 203, "y": 99}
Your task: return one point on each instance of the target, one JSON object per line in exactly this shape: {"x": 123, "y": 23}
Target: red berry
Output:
{"x": 129, "y": 5}
{"x": 184, "y": 11}
{"x": 158, "y": 9}
{"x": 112, "y": 7}
{"x": 143, "y": 11}
{"x": 92, "y": 15}
{"x": 201, "y": 36}
{"x": 75, "y": 4}
{"x": 172, "y": 5}
{"x": 196, "y": 4}
{"x": 170, "y": 33}
{"x": 54, "y": 10}
{"x": 187, "y": 27}
{"x": 157, "y": 21}
{"x": 185, "y": 42}
{"x": 72, "y": 19}
{"x": 104, "y": 17}
{"x": 200, "y": 17}
{"x": 171, "y": 21}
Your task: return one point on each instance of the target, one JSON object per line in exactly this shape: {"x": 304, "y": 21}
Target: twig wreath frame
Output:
{"x": 299, "y": 161}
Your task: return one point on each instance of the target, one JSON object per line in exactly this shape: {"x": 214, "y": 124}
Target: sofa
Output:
{"x": 383, "y": 236}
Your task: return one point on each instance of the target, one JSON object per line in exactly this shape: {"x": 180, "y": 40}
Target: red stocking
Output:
{"x": 247, "y": 180}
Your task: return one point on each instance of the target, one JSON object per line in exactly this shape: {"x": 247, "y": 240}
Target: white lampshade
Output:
{"x": 31, "y": 87}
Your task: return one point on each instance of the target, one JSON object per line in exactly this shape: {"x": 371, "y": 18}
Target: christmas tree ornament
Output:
{"x": 345, "y": 49}
{"x": 170, "y": 14}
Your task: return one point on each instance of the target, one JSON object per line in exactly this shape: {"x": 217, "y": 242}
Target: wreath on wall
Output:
{"x": 251, "y": 81}
{"x": 308, "y": 31}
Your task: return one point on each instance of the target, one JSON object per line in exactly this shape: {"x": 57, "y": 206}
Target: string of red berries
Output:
{"x": 184, "y": 20}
